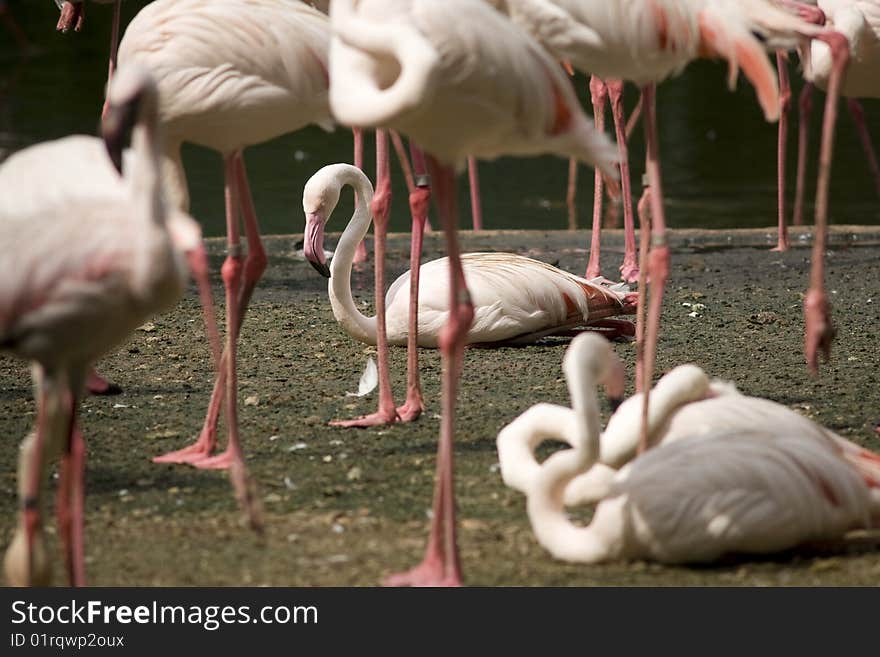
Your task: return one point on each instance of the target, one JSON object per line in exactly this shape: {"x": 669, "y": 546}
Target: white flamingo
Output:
{"x": 99, "y": 267}
{"x": 516, "y": 299}
{"x": 231, "y": 73}
{"x": 725, "y": 491}
{"x": 427, "y": 69}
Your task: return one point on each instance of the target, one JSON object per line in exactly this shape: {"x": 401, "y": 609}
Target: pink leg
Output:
{"x": 114, "y": 39}
{"x": 441, "y": 566}
{"x": 571, "y": 193}
{"x": 629, "y": 270}
{"x": 858, "y": 116}
{"x": 476, "y": 205}
{"x": 360, "y": 255}
{"x": 644, "y": 209}
{"x": 98, "y": 385}
{"x": 817, "y": 310}
{"x": 71, "y": 497}
{"x": 419, "y": 199}
{"x": 658, "y": 258}
{"x": 784, "y": 106}
{"x": 805, "y": 107}
{"x": 386, "y": 414}
{"x": 31, "y": 507}
{"x": 599, "y": 94}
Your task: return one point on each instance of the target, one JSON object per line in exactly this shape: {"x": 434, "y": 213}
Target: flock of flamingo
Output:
{"x": 687, "y": 470}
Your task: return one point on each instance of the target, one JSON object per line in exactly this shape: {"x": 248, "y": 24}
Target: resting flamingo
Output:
{"x": 426, "y": 69}
{"x": 231, "y": 73}
{"x": 101, "y": 265}
{"x": 726, "y": 491}
{"x": 676, "y": 411}
{"x": 516, "y": 299}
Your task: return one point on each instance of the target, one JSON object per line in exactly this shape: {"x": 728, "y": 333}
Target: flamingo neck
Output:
{"x": 356, "y": 324}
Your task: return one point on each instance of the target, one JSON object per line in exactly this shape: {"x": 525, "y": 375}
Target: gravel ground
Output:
{"x": 345, "y": 507}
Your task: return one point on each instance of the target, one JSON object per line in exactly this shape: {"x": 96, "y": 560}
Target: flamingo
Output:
{"x": 684, "y": 403}
{"x": 516, "y": 299}
{"x": 726, "y": 491}
{"x": 425, "y": 68}
{"x": 231, "y": 73}
{"x": 100, "y": 267}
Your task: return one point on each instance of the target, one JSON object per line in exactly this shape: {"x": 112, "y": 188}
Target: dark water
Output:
{"x": 718, "y": 154}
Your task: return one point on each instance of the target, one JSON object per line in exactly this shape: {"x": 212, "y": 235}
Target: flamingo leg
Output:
{"x": 77, "y": 462}
{"x": 114, "y": 39}
{"x": 805, "y": 108}
{"x": 817, "y": 309}
{"x": 857, "y": 112}
{"x": 782, "y": 142}
{"x": 476, "y": 204}
{"x": 599, "y": 95}
{"x": 571, "y": 193}
{"x": 644, "y": 210}
{"x": 441, "y": 565}
{"x": 98, "y": 385}
{"x": 419, "y": 198}
{"x": 629, "y": 269}
{"x": 658, "y": 258}
{"x": 379, "y": 207}
{"x": 360, "y": 254}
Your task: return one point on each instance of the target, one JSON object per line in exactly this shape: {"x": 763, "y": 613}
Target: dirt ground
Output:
{"x": 345, "y": 507}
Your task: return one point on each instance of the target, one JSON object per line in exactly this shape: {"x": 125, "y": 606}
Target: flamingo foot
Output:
{"x": 819, "y": 329}
{"x": 221, "y": 461}
{"x": 98, "y": 385}
{"x": 782, "y": 245}
{"x": 72, "y": 16}
{"x": 428, "y": 573}
{"x": 198, "y": 451}
{"x": 412, "y": 408}
{"x": 629, "y": 271}
{"x": 379, "y": 418}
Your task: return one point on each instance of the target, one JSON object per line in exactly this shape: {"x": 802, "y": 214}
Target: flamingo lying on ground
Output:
{"x": 725, "y": 491}
{"x": 99, "y": 267}
{"x": 428, "y": 70}
{"x": 516, "y": 299}
{"x": 231, "y": 73}
{"x": 674, "y": 413}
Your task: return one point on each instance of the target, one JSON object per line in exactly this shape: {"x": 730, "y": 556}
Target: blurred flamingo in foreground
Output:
{"x": 429, "y": 72}
{"x": 101, "y": 264}
{"x": 714, "y": 492}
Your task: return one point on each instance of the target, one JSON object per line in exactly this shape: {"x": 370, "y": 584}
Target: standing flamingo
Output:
{"x": 231, "y": 73}
{"x": 727, "y": 491}
{"x": 101, "y": 265}
{"x": 516, "y": 299}
{"x": 425, "y": 68}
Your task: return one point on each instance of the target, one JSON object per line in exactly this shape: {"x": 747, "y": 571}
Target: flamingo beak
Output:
{"x": 615, "y": 383}
{"x": 197, "y": 260}
{"x": 313, "y": 243}
{"x": 116, "y": 124}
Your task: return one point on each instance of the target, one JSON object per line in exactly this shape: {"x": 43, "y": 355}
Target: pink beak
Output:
{"x": 615, "y": 383}
{"x": 198, "y": 266}
{"x": 313, "y": 243}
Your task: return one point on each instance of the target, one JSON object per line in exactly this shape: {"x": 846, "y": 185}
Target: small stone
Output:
{"x": 149, "y": 327}
{"x": 253, "y": 400}
{"x": 272, "y": 498}
{"x": 354, "y": 474}
{"x": 327, "y": 459}
{"x": 158, "y": 435}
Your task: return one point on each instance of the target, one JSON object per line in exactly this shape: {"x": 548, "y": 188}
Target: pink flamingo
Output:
{"x": 430, "y": 72}
{"x": 107, "y": 259}
{"x": 231, "y": 73}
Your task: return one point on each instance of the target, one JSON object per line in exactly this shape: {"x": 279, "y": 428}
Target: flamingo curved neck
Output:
{"x": 356, "y": 324}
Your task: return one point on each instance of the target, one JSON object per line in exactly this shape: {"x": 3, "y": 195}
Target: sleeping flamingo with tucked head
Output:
{"x": 427, "y": 69}
{"x": 714, "y": 492}
{"x": 105, "y": 261}
{"x": 516, "y": 299}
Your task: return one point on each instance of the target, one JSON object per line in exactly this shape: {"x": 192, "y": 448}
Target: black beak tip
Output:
{"x": 321, "y": 268}
{"x": 615, "y": 403}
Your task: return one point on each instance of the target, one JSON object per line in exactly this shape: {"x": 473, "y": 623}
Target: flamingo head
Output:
{"x": 320, "y": 196}
{"x": 132, "y": 97}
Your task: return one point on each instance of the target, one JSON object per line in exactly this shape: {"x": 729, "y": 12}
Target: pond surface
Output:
{"x": 718, "y": 154}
